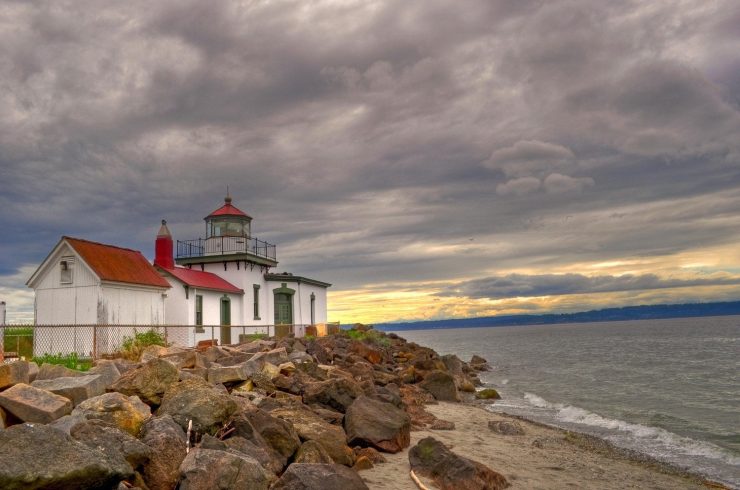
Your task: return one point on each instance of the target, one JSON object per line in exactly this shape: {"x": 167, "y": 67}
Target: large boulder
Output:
{"x": 148, "y": 382}
{"x": 128, "y": 413}
{"x": 450, "y": 471}
{"x": 31, "y": 404}
{"x": 302, "y": 476}
{"x": 311, "y": 427}
{"x": 195, "y": 399}
{"x": 262, "y": 454}
{"x": 312, "y": 452}
{"x": 278, "y": 433}
{"x": 205, "y": 469}
{"x": 234, "y": 373}
{"x": 167, "y": 441}
{"x": 245, "y": 438}
{"x": 337, "y": 393}
{"x": 77, "y": 389}
{"x": 13, "y": 373}
{"x": 106, "y": 369}
{"x": 274, "y": 356}
{"x": 441, "y": 385}
{"x": 370, "y": 422}
{"x": 39, "y": 456}
{"x": 51, "y": 371}
{"x": 106, "y": 437}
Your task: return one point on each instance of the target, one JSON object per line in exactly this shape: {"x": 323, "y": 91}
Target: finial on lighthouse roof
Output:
{"x": 163, "y": 230}
{"x": 227, "y": 199}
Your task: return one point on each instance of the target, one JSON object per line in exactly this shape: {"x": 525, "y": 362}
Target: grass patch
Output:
{"x": 133, "y": 346}
{"x": 251, "y": 337}
{"x": 372, "y": 336}
{"x": 71, "y": 361}
{"x": 19, "y": 340}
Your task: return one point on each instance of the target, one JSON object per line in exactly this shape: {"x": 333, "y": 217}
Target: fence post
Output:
{"x": 95, "y": 342}
{"x": 166, "y": 342}
{"x": 2, "y": 344}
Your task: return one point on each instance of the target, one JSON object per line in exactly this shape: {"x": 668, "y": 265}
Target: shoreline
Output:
{"x": 546, "y": 456}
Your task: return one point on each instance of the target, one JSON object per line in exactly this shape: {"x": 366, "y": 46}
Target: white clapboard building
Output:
{"x": 223, "y": 282}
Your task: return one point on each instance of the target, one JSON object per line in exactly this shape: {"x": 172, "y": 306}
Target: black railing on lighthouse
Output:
{"x": 225, "y": 245}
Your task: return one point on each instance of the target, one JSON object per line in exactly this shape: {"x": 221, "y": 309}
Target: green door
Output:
{"x": 225, "y": 320}
{"x": 283, "y": 309}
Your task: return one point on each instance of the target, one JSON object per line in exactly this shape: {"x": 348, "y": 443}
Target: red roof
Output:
{"x": 228, "y": 210}
{"x": 202, "y": 280}
{"x": 117, "y": 264}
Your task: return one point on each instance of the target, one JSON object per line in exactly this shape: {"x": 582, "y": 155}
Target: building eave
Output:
{"x": 296, "y": 279}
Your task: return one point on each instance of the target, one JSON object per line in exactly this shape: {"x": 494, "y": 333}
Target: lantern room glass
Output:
{"x": 231, "y": 226}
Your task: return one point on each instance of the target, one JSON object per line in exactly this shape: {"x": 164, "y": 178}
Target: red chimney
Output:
{"x": 163, "y": 248}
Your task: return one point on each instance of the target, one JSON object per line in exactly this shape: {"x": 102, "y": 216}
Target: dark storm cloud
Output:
{"x": 515, "y": 285}
{"x": 374, "y": 141}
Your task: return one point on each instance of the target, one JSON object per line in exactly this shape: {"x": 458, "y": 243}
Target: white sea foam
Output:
{"x": 653, "y": 440}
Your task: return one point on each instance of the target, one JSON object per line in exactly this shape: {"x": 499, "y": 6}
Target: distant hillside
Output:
{"x": 644, "y": 312}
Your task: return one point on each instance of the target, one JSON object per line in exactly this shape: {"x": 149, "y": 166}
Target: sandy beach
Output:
{"x": 542, "y": 458}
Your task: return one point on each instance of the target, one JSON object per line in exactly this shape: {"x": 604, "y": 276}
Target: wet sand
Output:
{"x": 543, "y": 458}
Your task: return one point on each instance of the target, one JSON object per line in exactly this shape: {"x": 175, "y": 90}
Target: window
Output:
{"x": 65, "y": 268}
{"x": 199, "y": 313}
{"x": 256, "y": 289}
{"x": 313, "y": 309}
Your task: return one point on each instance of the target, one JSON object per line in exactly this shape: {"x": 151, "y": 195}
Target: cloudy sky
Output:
{"x": 431, "y": 159}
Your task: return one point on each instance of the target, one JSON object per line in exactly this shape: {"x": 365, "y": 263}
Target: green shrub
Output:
{"x": 132, "y": 347}
{"x": 373, "y": 336}
{"x": 71, "y": 361}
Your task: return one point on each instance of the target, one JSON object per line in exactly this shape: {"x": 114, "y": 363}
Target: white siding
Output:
{"x": 129, "y": 305}
{"x": 243, "y": 278}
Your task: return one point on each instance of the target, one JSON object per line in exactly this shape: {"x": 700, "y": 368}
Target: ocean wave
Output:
{"x": 653, "y": 440}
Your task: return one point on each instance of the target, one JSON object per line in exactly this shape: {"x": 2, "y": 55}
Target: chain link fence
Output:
{"x": 97, "y": 341}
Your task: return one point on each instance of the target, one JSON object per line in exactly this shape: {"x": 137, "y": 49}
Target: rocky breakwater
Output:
{"x": 269, "y": 414}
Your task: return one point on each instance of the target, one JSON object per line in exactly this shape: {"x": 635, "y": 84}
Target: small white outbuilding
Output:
{"x": 224, "y": 279}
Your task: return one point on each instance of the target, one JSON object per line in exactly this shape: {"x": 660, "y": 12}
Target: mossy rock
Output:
{"x": 488, "y": 394}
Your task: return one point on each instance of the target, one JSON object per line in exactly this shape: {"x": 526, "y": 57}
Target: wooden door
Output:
{"x": 225, "y": 321}
{"x": 283, "y": 309}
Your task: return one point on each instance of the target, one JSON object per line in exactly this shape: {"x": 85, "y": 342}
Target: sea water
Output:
{"x": 666, "y": 388}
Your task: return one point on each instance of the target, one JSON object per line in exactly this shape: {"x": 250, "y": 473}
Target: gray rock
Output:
{"x": 33, "y": 371}
{"x": 31, "y": 404}
{"x": 257, "y": 446}
{"x": 108, "y": 370}
{"x": 441, "y": 385}
{"x": 274, "y": 356}
{"x": 313, "y": 453}
{"x": 128, "y": 413}
{"x": 302, "y": 476}
{"x": 76, "y": 389}
{"x": 205, "y": 469}
{"x": 449, "y": 471}
{"x": 229, "y": 374}
{"x": 242, "y": 446}
{"x": 278, "y": 433}
{"x": 112, "y": 441}
{"x": 194, "y": 399}
{"x": 311, "y": 427}
{"x": 167, "y": 440}
{"x": 506, "y": 428}
{"x": 370, "y": 422}
{"x": 337, "y": 393}
{"x": 42, "y": 457}
{"x": 13, "y": 373}
{"x": 51, "y": 371}
{"x": 148, "y": 382}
